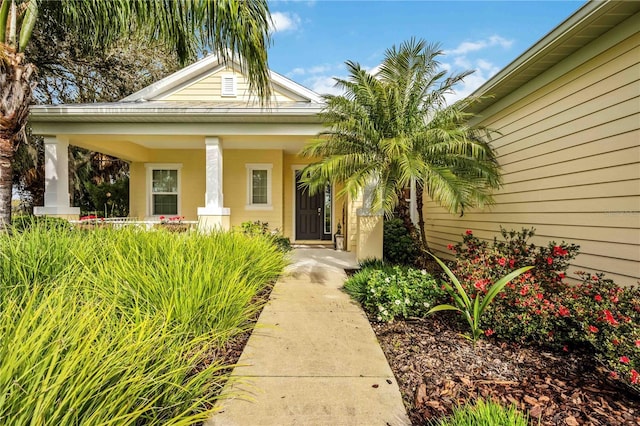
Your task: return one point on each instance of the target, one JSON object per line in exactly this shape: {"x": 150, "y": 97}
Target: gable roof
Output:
{"x": 206, "y": 66}
{"x": 587, "y": 24}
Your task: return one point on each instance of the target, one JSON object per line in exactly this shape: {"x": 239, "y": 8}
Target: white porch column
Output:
{"x": 370, "y": 227}
{"x": 213, "y": 214}
{"x": 56, "y": 180}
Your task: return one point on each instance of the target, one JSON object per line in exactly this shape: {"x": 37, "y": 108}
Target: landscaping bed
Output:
{"x": 125, "y": 326}
{"x": 437, "y": 369}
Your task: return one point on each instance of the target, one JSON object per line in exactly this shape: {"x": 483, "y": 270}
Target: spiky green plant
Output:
{"x": 484, "y": 413}
{"x": 472, "y": 308}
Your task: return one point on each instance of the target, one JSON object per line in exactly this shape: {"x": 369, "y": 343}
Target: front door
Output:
{"x": 313, "y": 213}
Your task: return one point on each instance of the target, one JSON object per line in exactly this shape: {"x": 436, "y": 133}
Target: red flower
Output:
{"x": 524, "y": 290}
{"x": 469, "y": 232}
{"x": 488, "y": 332}
{"x": 550, "y": 260}
{"x": 161, "y": 217}
{"x": 449, "y": 246}
{"x": 609, "y": 317}
{"x": 512, "y": 263}
{"x": 624, "y": 359}
{"x": 615, "y": 342}
{"x": 502, "y": 261}
{"x": 561, "y": 275}
{"x": 564, "y": 312}
{"x": 634, "y": 376}
{"x": 637, "y": 343}
{"x": 540, "y": 296}
{"x": 597, "y": 298}
{"x": 613, "y": 375}
{"x": 614, "y": 299}
{"x": 593, "y": 329}
{"x": 480, "y": 285}
{"x": 565, "y": 348}
{"x": 559, "y": 251}
{"x": 594, "y": 277}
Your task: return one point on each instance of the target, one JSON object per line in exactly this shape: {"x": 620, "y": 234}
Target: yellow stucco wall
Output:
{"x": 235, "y": 185}
{"x": 192, "y": 181}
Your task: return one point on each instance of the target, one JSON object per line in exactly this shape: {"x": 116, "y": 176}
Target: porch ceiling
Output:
{"x": 139, "y": 147}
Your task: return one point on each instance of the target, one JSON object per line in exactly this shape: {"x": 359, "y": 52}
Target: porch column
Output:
{"x": 56, "y": 180}
{"x": 370, "y": 227}
{"x": 213, "y": 215}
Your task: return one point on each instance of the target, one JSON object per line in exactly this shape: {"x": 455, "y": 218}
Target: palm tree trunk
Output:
{"x": 15, "y": 97}
{"x": 420, "y": 208}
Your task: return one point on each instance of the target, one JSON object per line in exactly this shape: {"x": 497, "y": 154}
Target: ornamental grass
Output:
{"x": 118, "y": 326}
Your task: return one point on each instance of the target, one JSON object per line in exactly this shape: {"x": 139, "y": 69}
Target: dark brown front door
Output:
{"x": 310, "y": 214}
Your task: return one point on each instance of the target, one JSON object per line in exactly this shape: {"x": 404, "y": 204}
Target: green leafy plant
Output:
{"x": 399, "y": 246}
{"x": 394, "y": 292}
{"x": 484, "y": 413}
{"x": 472, "y": 310}
{"x": 261, "y": 229}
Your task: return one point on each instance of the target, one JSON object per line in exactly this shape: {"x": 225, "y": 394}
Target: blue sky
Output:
{"x": 313, "y": 39}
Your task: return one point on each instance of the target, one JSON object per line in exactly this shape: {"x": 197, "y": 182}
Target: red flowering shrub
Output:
{"x": 538, "y": 307}
{"x": 610, "y": 316}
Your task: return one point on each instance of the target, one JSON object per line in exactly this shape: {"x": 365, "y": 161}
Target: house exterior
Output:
{"x": 568, "y": 116}
{"x": 199, "y": 145}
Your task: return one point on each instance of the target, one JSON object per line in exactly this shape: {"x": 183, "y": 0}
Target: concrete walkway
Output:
{"x": 313, "y": 358}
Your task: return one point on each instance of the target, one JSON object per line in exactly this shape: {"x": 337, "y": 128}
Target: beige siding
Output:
{"x": 209, "y": 89}
{"x": 570, "y": 154}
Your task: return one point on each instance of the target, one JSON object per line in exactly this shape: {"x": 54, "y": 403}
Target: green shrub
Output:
{"x": 540, "y": 308}
{"x": 19, "y": 223}
{"x": 395, "y": 292}
{"x": 261, "y": 229}
{"x": 484, "y": 413}
{"x": 608, "y": 318}
{"x": 398, "y": 246}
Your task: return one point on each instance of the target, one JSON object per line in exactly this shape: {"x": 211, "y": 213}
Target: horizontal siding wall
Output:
{"x": 209, "y": 89}
{"x": 570, "y": 157}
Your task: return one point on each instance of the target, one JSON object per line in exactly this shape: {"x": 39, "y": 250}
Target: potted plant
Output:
{"x": 338, "y": 239}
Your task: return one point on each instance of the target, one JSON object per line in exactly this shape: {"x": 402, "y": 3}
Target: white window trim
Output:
{"x": 259, "y": 166}
{"x": 234, "y": 84}
{"x": 150, "y": 167}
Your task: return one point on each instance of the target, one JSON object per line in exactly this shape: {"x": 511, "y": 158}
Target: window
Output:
{"x": 163, "y": 189}
{"x": 327, "y": 209}
{"x": 228, "y": 85}
{"x": 259, "y": 186}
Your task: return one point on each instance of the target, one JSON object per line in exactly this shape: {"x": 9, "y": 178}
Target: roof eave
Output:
{"x": 558, "y": 35}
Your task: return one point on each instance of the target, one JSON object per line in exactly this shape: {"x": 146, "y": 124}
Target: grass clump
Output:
{"x": 117, "y": 326}
{"x": 484, "y": 413}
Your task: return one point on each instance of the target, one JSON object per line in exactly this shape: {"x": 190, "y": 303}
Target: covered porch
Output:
{"x": 218, "y": 175}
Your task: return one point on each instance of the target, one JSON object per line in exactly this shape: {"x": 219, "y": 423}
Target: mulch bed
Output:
{"x": 437, "y": 370}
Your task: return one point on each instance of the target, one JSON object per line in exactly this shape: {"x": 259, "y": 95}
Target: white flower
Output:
{"x": 426, "y": 305}
{"x": 398, "y": 302}
{"x": 380, "y": 308}
{"x": 379, "y": 318}
{"x": 407, "y": 301}
{"x": 423, "y": 272}
{"x": 387, "y": 280}
{"x": 373, "y": 290}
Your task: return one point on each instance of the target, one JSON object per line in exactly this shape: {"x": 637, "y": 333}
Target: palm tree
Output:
{"x": 230, "y": 27}
{"x": 394, "y": 126}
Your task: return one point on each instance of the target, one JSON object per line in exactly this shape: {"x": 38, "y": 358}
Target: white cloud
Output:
{"x": 474, "y": 46}
{"x": 322, "y": 84}
{"x": 285, "y": 21}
